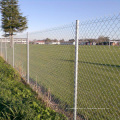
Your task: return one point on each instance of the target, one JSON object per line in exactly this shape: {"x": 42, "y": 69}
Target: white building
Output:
{"x": 20, "y": 40}
{"x": 54, "y": 43}
{"x": 39, "y": 42}
{"x": 114, "y": 42}
{"x": 16, "y": 40}
{"x": 67, "y": 43}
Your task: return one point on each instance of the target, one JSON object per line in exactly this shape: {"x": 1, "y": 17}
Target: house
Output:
{"x": 54, "y": 43}
{"x": 67, "y": 43}
{"x": 87, "y": 42}
{"x": 16, "y": 40}
{"x": 115, "y": 42}
{"x": 40, "y": 42}
{"x": 20, "y": 40}
{"x": 111, "y": 42}
{"x": 70, "y": 42}
{"x": 31, "y": 42}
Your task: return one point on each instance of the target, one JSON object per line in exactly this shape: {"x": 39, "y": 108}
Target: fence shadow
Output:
{"x": 100, "y": 64}
{"x": 52, "y": 101}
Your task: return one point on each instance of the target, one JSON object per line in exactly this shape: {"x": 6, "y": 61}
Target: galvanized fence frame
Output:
{"x": 76, "y": 69}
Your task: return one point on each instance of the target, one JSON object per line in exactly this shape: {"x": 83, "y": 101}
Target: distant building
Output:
{"x": 114, "y": 42}
{"x": 67, "y": 43}
{"x": 16, "y": 40}
{"x": 31, "y": 42}
{"x": 41, "y": 42}
{"x": 111, "y": 42}
{"x": 20, "y": 40}
{"x": 95, "y": 42}
{"x": 53, "y": 43}
{"x": 70, "y": 42}
{"x": 87, "y": 42}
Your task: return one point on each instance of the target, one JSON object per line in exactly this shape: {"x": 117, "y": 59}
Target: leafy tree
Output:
{"x": 47, "y": 40}
{"x": 91, "y": 40}
{"x": 62, "y": 40}
{"x": 55, "y": 40}
{"x": 12, "y": 19}
{"x": 102, "y": 39}
{"x": 71, "y": 40}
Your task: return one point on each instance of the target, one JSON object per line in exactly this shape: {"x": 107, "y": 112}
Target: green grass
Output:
{"x": 98, "y": 76}
{"x": 18, "y": 101}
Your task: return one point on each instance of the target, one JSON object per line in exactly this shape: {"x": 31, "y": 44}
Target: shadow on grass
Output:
{"x": 101, "y": 64}
{"x": 60, "y": 106}
{"x": 55, "y": 103}
{"x": 45, "y": 91}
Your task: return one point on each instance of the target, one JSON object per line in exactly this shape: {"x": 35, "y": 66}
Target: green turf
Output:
{"x": 98, "y": 76}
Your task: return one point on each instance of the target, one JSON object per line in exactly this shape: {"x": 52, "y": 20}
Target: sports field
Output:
{"x": 98, "y": 78}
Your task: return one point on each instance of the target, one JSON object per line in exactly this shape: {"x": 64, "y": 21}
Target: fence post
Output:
{"x": 109, "y": 43}
{"x": 13, "y": 52}
{"x": 76, "y": 69}
{"x": 5, "y": 49}
{"x": 1, "y": 47}
{"x": 27, "y": 59}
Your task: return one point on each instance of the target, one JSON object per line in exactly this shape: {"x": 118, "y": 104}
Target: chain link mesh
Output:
{"x": 99, "y": 69}
{"x": 52, "y": 66}
{"x": 52, "y": 55}
{"x": 5, "y": 50}
{"x": 20, "y": 48}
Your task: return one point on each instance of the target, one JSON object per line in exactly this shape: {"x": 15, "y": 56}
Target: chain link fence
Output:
{"x": 20, "y": 46}
{"x": 99, "y": 69}
{"x": 51, "y": 64}
{"x": 5, "y": 50}
{"x": 52, "y": 68}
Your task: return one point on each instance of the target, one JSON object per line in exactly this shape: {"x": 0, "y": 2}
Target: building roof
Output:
{"x": 39, "y": 41}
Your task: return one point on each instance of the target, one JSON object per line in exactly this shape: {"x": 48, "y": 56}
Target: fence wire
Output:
{"x": 99, "y": 69}
{"x": 20, "y": 47}
{"x": 52, "y": 60}
{"x": 5, "y": 50}
{"x": 52, "y": 66}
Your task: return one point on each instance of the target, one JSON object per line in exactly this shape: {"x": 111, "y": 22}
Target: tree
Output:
{"x": 71, "y": 40}
{"x": 91, "y": 40}
{"x": 12, "y": 19}
{"x": 55, "y": 40}
{"x": 62, "y": 40}
{"x": 102, "y": 39}
{"x": 47, "y": 40}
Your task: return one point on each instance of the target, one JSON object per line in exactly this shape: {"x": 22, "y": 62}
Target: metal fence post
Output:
{"x": 109, "y": 43}
{"x": 1, "y": 47}
{"x": 76, "y": 69}
{"x": 5, "y": 49}
{"x": 27, "y": 59}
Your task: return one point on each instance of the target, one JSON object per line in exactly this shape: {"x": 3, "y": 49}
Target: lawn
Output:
{"x": 98, "y": 76}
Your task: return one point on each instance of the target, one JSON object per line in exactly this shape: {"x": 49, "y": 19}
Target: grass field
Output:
{"x": 98, "y": 78}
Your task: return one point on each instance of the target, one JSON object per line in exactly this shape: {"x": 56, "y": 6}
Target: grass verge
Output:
{"x": 18, "y": 101}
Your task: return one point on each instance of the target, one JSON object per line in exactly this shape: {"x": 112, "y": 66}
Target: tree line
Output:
{"x": 100, "y": 39}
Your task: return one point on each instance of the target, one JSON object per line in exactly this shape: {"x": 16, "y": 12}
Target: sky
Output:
{"x": 44, "y": 14}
